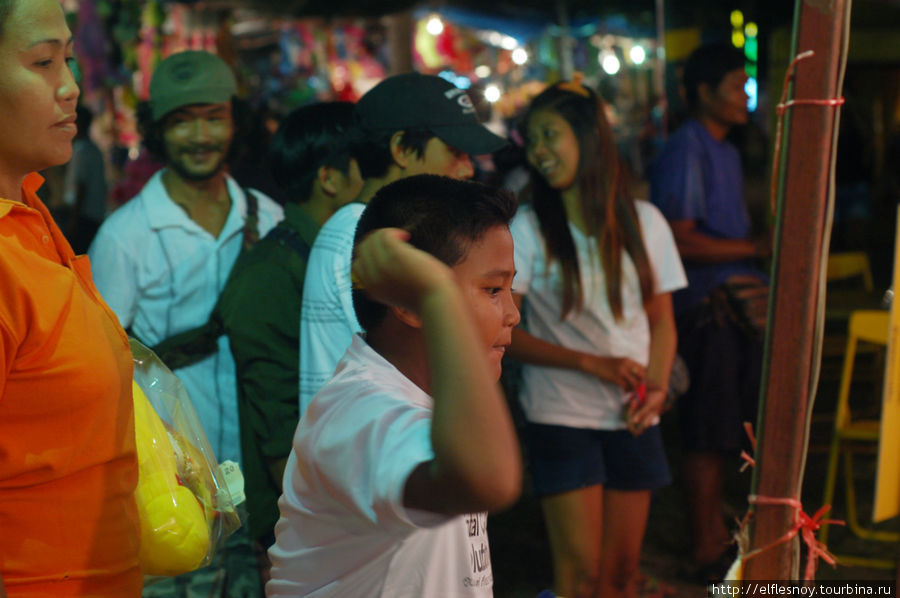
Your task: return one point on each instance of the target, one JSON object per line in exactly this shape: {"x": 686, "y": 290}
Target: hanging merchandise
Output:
{"x": 90, "y": 42}
{"x": 425, "y": 46}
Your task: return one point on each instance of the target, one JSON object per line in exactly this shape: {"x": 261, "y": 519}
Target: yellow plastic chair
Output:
{"x": 869, "y": 326}
{"x": 843, "y": 267}
{"x": 850, "y": 264}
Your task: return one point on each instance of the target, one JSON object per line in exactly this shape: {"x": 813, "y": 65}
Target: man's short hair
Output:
{"x": 83, "y": 119}
{"x": 422, "y": 106}
{"x": 444, "y": 217}
{"x": 709, "y": 64}
{"x": 308, "y": 138}
{"x": 372, "y": 150}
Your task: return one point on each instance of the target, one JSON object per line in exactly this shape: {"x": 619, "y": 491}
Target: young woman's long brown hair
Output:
{"x": 606, "y": 204}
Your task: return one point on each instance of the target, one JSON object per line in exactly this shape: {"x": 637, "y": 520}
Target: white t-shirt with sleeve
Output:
{"x": 327, "y": 318}
{"x": 344, "y": 531}
{"x": 565, "y": 397}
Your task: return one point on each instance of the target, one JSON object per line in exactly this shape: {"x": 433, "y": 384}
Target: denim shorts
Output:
{"x": 563, "y": 458}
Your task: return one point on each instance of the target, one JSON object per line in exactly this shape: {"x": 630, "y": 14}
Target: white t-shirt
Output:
{"x": 344, "y": 531}
{"x": 566, "y": 397}
{"x": 327, "y": 318}
{"x": 161, "y": 273}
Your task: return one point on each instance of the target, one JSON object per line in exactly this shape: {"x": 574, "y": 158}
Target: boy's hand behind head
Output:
{"x": 394, "y": 272}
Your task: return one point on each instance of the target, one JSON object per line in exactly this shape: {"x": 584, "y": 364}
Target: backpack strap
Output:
{"x": 251, "y": 223}
{"x": 191, "y": 346}
{"x": 290, "y": 238}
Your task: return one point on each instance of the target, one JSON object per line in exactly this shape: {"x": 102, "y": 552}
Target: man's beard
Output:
{"x": 187, "y": 175}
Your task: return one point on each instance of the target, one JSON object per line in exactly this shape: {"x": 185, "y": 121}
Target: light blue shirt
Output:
{"x": 161, "y": 273}
{"x": 327, "y": 318}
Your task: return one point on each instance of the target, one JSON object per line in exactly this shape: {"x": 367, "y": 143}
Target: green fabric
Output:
{"x": 260, "y": 311}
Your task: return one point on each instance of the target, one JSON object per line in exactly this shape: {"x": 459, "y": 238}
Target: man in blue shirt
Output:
{"x": 697, "y": 184}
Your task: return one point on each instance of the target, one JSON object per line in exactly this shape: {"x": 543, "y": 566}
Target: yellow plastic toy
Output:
{"x": 175, "y": 532}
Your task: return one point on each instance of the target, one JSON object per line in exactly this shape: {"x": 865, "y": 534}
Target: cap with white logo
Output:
{"x": 413, "y": 100}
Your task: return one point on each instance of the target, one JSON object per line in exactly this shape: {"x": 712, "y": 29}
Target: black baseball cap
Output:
{"x": 413, "y": 100}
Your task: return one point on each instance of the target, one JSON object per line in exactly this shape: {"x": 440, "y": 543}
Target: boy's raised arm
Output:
{"x": 477, "y": 464}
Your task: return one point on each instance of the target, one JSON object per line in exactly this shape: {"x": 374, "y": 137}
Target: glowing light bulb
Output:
{"x": 610, "y": 63}
{"x": 520, "y": 56}
{"x": 434, "y": 26}
{"x": 751, "y": 88}
{"x": 508, "y": 42}
{"x": 637, "y": 54}
{"x": 492, "y": 93}
{"x": 751, "y": 30}
{"x": 737, "y": 19}
{"x": 482, "y": 71}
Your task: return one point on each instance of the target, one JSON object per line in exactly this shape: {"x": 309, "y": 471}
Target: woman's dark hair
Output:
{"x": 444, "y": 216}
{"x": 372, "y": 150}
{"x": 708, "y": 64}
{"x": 308, "y": 138}
{"x": 605, "y": 200}
{"x": 152, "y": 130}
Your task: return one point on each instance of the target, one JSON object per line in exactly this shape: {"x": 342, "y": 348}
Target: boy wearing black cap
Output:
{"x": 401, "y": 453}
{"x": 408, "y": 124}
{"x": 161, "y": 260}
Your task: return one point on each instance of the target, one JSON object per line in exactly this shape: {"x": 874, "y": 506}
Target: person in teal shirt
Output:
{"x": 260, "y": 305}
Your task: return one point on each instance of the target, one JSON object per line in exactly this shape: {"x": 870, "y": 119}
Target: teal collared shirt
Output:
{"x": 260, "y": 310}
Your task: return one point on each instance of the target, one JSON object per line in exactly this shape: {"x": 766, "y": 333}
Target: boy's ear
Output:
{"x": 326, "y": 177}
{"x": 398, "y": 152}
{"x": 406, "y": 316}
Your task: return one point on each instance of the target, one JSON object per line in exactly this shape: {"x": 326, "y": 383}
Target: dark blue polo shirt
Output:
{"x": 696, "y": 177}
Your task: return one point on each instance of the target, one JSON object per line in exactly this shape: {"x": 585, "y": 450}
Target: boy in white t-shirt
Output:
{"x": 400, "y": 455}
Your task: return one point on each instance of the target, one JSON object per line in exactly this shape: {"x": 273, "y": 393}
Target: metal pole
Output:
{"x": 802, "y": 239}
{"x": 566, "y": 62}
{"x": 659, "y": 69}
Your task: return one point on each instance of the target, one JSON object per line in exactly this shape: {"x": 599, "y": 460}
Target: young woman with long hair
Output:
{"x": 595, "y": 272}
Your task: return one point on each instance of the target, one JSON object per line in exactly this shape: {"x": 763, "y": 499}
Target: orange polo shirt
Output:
{"x": 68, "y": 465}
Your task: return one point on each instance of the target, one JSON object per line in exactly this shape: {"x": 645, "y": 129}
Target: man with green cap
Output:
{"x": 162, "y": 259}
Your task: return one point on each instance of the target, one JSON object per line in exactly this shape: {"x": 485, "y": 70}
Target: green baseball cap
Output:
{"x": 191, "y": 77}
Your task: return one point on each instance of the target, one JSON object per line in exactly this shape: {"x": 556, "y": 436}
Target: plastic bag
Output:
{"x": 184, "y": 505}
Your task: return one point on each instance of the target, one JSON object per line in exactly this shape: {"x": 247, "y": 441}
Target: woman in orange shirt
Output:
{"x": 68, "y": 467}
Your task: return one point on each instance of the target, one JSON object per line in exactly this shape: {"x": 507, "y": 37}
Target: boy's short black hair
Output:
{"x": 709, "y": 64}
{"x": 152, "y": 130}
{"x": 444, "y": 216}
{"x": 372, "y": 149}
{"x": 308, "y": 138}
{"x": 83, "y": 119}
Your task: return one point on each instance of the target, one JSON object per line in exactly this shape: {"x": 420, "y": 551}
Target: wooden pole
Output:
{"x": 399, "y": 38}
{"x": 801, "y": 238}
